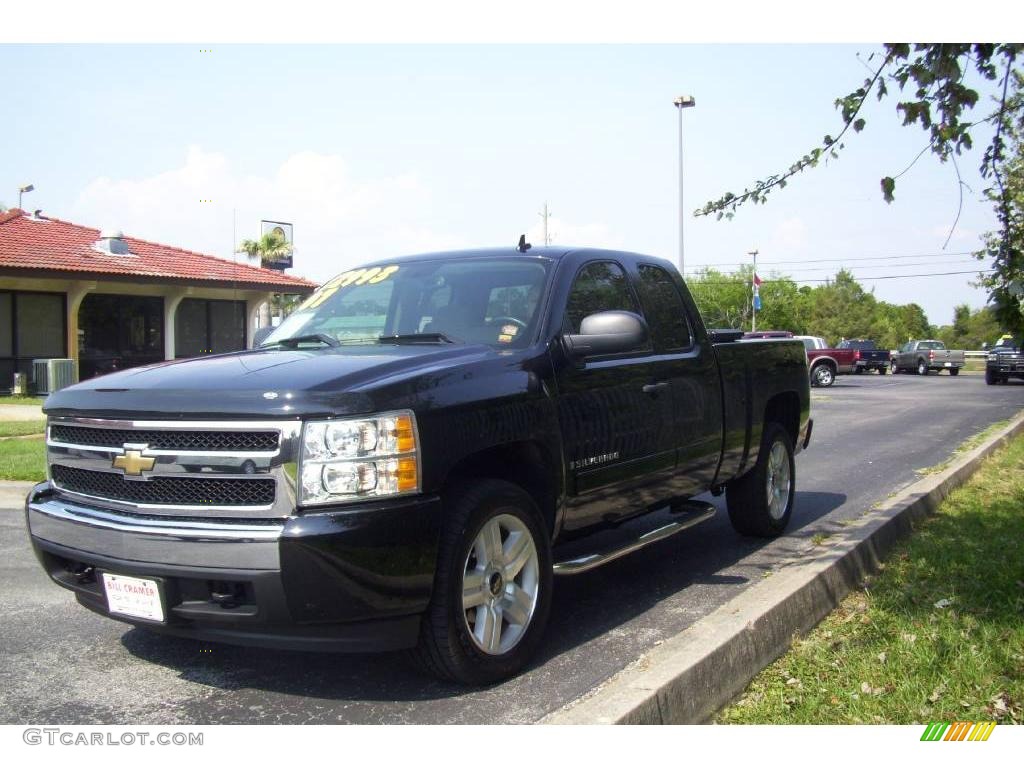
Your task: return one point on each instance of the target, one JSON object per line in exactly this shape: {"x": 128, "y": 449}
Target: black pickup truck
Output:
{"x": 414, "y": 454}
{"x": 1004, "y": 361}
{"x": 867, "y": 356}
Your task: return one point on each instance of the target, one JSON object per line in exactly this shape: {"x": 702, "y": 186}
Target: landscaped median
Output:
{"x": 937, "y": 635}
{"x": 22, "y": 452}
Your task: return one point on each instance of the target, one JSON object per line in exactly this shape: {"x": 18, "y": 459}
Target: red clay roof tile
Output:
{"x": 61, "y": 246}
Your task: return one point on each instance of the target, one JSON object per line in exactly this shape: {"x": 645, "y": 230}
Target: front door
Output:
{"x": 616, "y": 425}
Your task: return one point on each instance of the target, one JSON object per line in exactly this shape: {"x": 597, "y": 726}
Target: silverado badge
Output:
{"x": 133, "y": 462}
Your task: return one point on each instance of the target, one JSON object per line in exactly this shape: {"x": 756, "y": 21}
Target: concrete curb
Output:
{"x": 689, "y": 677}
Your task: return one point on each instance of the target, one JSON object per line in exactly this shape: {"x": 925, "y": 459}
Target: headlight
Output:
{"x": 348, "y": 459}
{"x": 993, "y": 356}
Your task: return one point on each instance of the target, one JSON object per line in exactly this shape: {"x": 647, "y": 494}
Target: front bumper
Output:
{"x": 352, "y": 579}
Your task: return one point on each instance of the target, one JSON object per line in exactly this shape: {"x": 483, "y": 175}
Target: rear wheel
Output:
{"x": 761, "y": 502}
{"x": 883, "y": 370}
{"x": 954, "y": 371}
{"x": 822, "y": 375}
{"x": 922, "y": 368}
{"x": 492, "y": 590}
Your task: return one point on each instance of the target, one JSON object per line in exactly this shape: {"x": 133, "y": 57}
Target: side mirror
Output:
{"x": 607, "y": 333}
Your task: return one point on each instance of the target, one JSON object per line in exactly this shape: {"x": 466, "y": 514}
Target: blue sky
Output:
{"x": 377, "y": 150}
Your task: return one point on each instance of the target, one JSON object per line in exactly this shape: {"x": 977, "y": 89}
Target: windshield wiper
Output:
{"x": 416, "y": 338}
{"x": 294, "y": 341}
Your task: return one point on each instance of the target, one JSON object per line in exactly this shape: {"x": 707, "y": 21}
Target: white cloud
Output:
{"x": 339, "y": 220}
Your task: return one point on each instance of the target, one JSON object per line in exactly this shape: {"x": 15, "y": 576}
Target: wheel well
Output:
{"x": 784, "y": 409}
{"x": 527, "y": 464}
{"x": 824, "y": 361}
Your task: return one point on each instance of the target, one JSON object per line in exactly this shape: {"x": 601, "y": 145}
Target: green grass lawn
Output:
{"x": 10, "y": 400}
{"x": 937, "y": 635}
{"x": 23, "y": 459}
{"x": 9, "y": 428}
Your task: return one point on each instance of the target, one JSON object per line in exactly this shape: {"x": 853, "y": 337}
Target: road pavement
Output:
{"x": 59, "y": 663}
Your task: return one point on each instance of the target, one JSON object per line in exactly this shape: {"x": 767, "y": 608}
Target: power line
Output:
{"x": 696, "y": 275}
{"x": 843, "y": 260}
{"x": 742, "y": 281}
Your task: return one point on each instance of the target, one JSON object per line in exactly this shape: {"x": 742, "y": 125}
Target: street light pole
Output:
{"x": 682, "y": 102}
{"x": 23, "y": 190}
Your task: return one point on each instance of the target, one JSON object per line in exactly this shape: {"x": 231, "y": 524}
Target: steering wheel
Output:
{"x": 503, "y": 320}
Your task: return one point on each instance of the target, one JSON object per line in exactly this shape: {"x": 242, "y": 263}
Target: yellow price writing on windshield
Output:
{"x": 367, "y": 276}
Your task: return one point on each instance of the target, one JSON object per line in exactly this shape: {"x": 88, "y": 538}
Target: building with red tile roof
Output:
{"x": 110, "y": 301}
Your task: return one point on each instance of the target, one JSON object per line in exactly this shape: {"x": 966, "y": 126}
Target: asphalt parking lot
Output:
{"x": 59, "y": 663}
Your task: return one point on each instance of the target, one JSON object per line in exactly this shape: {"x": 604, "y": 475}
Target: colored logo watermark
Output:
{"x": 958, "y": 731}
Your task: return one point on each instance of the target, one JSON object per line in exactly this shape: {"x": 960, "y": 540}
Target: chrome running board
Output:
{"x": 696, "y": 512}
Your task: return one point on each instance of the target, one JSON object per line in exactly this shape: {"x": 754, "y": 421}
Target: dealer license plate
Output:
{"x": 129, "y": 596}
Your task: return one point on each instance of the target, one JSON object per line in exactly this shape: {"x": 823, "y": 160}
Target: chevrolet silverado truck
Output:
{"x": 922, "y": 356}
{"x": 414, "y": 454}
{"x": 866, "y": 355}
{"x": 1004, "y": 361}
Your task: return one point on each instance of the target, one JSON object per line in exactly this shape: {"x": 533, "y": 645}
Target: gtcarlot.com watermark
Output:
{"x": 69, "y": 737}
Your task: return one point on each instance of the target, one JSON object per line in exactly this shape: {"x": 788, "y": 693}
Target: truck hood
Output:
{"x": 262, "y": 384}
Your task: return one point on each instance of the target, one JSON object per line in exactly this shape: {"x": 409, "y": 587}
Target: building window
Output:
{"x": 208, "y": 327}
{"x": 117, "y": 332}
{"x": 32, "y": 326}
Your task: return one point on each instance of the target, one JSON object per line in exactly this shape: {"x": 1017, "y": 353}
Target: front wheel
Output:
{"x": 991, "y": 377}
{"x": 492, "y": 590}
{"x": 892, "y": 365}
{"x": 761, "y": 502}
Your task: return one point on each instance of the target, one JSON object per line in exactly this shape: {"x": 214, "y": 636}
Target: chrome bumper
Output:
{"x": 206, "y": 544}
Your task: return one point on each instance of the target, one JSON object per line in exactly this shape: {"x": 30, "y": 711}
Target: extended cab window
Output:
{"x": 664, "y": 309}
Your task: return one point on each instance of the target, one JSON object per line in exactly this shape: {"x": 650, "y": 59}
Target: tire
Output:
{"x": 991, "y": 377}
{"x": 883, "y": 370}
{"x": 892, "y": 364}
{"x": 822, "y": 375}
{"x": 454, "y": 643}
{"x": 758, "y": 503}
{"x": 858, "y": 371}
{"x": 954, "y": 371}
{"x": 922, "y": 368}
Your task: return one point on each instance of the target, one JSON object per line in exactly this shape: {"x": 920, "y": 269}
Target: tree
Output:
{"x": 270, "y": 247}
{"x": 932, "y": 75}
{"x": 1005, "y": 247}
{"x": 941, "y": 104}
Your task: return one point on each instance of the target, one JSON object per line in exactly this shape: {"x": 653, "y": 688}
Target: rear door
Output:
{"x": 617, "y": 436}
{"x": 690, "y": 371}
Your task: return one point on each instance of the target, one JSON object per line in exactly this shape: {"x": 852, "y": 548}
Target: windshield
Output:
{"x": 487, "y": 301}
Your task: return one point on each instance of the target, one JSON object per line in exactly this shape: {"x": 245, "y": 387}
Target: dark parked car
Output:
{"x": 414, "y": 454}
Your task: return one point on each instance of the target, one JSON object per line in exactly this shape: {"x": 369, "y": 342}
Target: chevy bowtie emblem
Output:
{"x": 133, "y": 462}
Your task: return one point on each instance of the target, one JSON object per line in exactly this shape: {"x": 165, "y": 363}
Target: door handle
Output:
{"x": 653, "y": 389}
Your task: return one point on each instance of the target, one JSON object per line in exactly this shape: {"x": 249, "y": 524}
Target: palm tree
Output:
{"x": 271, "y": 247}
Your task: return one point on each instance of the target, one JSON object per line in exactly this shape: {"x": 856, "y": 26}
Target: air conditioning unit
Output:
{"x": 53, "y": 374}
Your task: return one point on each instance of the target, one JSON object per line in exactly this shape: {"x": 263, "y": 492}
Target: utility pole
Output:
{"x": 546, "y": 214}
{"x": 754, "y": 296}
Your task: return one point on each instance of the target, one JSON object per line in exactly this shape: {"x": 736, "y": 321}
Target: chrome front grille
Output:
{"x": 166, "y": 490}
{"x": 168, "y": 468}
{"x": 168, "y": 439}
